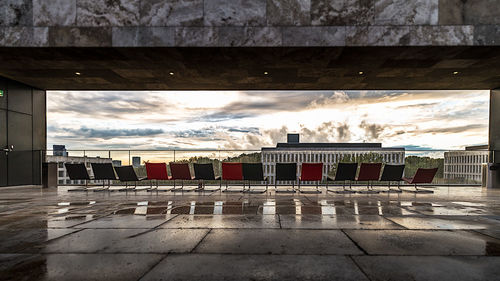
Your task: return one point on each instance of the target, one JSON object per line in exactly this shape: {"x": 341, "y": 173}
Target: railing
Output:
{"x": 461, "y": 167}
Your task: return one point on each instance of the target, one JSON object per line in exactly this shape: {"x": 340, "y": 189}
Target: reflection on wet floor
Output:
{"x": 56, "y": 235}
{"x": 291, "y": 206}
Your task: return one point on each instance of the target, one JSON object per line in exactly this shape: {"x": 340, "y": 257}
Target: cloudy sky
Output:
{"x": 252, "y": 119}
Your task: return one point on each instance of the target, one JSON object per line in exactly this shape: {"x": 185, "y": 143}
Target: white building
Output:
{"x": 466, "y": 164}
{"x": 327, "y": 153}
{"x": 62, "y": 175}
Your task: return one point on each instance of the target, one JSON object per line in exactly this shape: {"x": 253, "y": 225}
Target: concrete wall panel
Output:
{"x": 210, "y": 23}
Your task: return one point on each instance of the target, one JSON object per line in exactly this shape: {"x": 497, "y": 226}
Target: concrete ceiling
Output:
{"x": 301, "y": 68}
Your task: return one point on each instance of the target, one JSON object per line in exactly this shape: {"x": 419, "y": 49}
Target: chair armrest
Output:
{"x": 329, "y": 179}
{"x": 408, "y": 180}
{"x": 218, "y": 178}
{"x": 144, "y": 178}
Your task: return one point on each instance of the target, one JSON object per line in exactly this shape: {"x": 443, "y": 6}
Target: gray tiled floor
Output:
{"x": 277, "y": 241}
{"x": 55, "y": 235}
{"x": 255, "y": 267}
{"x": 434, "y": 268}
{"x": 424, "y": 242}
{"x": 337, "y": 222}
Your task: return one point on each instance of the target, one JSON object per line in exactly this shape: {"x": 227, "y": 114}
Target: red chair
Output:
{"x": 232, "y": 172}
{"x": 156, "y": 171}
{"x": 311, "y": 172}
{"x": 369, "y": 172}
{"x": 422, "y": 176}
{"x": 180, "y": 171}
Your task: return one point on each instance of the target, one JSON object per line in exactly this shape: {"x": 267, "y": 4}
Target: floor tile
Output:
{"x": 385, "y": 268}
{"x": 493, "y": 232}
{"x": 90, "y": 240}
{"x": 127, "y": 221}
{"x": 255, "y": 267}
{"x": 16, "y": 240}
{"x": 337, "y": 222}
{"x": 223, "y": 221}
{"x": 474, "y": 222}
{"x": 424, "y": 242}
{"x": 160, "y": 241}
{"x": 277, "y": 241}
{"x": 80, "y": 267}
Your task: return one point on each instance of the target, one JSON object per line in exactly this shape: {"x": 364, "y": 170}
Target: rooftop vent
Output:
{"x": 292, "y": 138}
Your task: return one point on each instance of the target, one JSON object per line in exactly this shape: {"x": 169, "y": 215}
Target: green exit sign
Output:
{"x": 1, "y": 93}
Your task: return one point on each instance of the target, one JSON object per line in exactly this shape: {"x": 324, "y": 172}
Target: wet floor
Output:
{"x": 453, "y": 234}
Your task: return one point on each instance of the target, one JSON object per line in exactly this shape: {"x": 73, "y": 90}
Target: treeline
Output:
{"x": 412, "y": 162}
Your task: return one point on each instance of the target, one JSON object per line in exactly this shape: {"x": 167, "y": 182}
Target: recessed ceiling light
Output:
{"x": 455, "y": 72}
{"x": 78, "y": 73}
{"x": 171, "y": 73}
{"x": 360, "y": 73}
{"x": 266, "y": 73}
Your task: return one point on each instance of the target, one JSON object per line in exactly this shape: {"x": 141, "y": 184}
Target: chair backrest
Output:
{"x": 204, "y": 171}
{"x": 180, "y": 171}
{"x": 77, "y": 171}
{"x": 392, "y": 172}
{"x": 286, "y": 171}
{"x": 253, "y": 172}
{"x": 232, "y": 171}
{"x": 103, "y": 171}
{"x": 424, "y": 175}
{"x": 346, "y": 171}
{"x": 156, "y": 171}
{"x": 311, "y": 172}
{"x": 126, "y": 173}
{"x": 369, "y": 171}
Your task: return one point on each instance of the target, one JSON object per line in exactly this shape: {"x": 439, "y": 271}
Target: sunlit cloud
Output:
{"x": 252, "y": 119}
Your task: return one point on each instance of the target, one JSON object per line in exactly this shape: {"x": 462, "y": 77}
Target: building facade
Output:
{"x": 136, "y": 161}
{"x": 327, "y": 153}
{"x": 62, "y": 175}
{"x": 467, "y": 164}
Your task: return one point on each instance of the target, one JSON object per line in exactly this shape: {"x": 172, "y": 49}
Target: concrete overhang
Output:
{"x": 254, "y": 68}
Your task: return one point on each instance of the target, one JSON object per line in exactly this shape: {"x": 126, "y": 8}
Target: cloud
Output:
{"x": 252, "y": 119}
{"x": 243, "y": 130}
{"x": 451, "y": 130}
{"x": 334, "y": 99}
{"x": 344, "y": 135}
{"x": 201, "y": 133}
{"x": 108, "y": 133}
{"x": 372, "y": 131}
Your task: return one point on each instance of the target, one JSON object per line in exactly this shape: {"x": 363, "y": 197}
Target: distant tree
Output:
{"x": 415, "y": 162}
{"x": 362, "y": 158}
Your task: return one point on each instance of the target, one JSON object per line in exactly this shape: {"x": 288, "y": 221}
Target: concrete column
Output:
{"x": 494, "y": 127}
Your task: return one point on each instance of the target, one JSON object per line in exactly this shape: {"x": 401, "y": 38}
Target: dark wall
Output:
{"x": 22, "y": 124}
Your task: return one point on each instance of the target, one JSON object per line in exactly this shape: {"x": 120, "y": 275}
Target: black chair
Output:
{"x": 285, "y": 172}
{"x": 127, "y": 174}
{"x": 103, "y": 172}
{"x": 202, "y": 173}
{"x": 392, "y": 173}
{"x": 345, "y": 172}
{"x": 254, "y": 172}
{"x": 78, "y": 171}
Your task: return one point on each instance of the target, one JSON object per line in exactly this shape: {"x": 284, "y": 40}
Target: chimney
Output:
{"x": 292, "y": 138}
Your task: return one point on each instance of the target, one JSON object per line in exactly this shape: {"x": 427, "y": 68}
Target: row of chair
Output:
{"x": 247, "y": 172}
